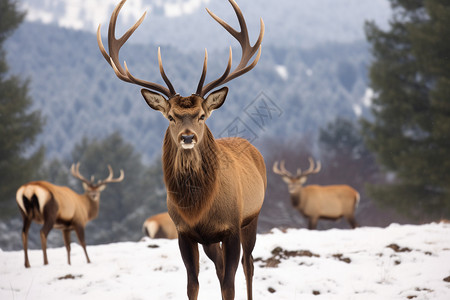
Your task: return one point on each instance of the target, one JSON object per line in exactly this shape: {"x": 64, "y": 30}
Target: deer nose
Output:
{"x": 187, "y": 139}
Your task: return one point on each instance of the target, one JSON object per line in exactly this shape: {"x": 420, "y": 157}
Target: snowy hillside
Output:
{"x": 398, "y": 262}
{"x": 290, "y": 22}
{"x": 87, "y": 14}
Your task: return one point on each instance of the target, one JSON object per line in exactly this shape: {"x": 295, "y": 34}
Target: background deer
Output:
{"x": 215, "y": 188}
{"x": 160, "y": 226}
{"x": 60, "y": 207}
{"x": 316, "y": 202}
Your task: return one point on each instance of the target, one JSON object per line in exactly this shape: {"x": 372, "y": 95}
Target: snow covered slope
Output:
{"x": 397, "y": 262}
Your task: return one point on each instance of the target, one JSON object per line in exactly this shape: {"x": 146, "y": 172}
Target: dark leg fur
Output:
{"x": 248, "y": 237}
{"x": 66, "y": 237}
{"x": 231, "y": 249}
{"x": 79, "y": 230}
{"x": 352, "y": 222}
{"x": 214, "y": 252}
{"x": 50, "y": 211}
{"x": 25, "y": 229}
{"x": 189, "y": 253}
{"x": 312, "y": 223}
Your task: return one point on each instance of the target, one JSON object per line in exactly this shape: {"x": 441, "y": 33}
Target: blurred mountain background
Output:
{"x": 313, "y": 72}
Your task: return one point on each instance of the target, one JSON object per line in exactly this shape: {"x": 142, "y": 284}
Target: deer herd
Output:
{"x": 215, "y": 187}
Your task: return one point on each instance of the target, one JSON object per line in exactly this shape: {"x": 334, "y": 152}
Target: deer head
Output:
{"x": 93, "y": 189}
{"x": 186, "y": 115}
{"x": 296, "y": 182}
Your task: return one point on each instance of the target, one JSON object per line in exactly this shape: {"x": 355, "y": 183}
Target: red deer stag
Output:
{"x": 160, "y": 226}
{"x": 60, "y": 207}
{"x": 215, "y": 188}
{"x": 316, "y": 202}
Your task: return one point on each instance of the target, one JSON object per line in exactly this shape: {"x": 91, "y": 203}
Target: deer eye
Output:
{"x": 171, "y": 119}
{"x": 202, "y": 117}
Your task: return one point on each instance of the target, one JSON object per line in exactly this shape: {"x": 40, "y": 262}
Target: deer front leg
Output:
{"x": 214, "y": 252}
{"x": 66, "y": 237}
{"x": 231, "y": 250}
{"x": 79, "y": 230}
{"x": 189, "y": 253}
{"x": 25, "y": 229}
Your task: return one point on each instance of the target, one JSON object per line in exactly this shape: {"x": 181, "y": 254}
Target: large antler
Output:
{"x": 110, "y": 178}
{"x": 112, "y": 58}
{"x": 311, "y": 169}
{"x": 247, "y": 52}
{"x": 281, "y": 170}
{"x": 75, "y": 170}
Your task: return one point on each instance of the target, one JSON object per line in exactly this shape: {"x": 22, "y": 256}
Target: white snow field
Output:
{"x": 397, "y": 262}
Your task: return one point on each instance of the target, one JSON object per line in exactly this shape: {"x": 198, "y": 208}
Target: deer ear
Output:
{"x": 101, "y": 188}
{"x": 286, "y": 179}
{"x": 85, "y": 186}
{"x": 156, "y": 101}
{"x": 215, "y": 99}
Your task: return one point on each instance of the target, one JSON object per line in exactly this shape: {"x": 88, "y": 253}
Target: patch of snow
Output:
{"x": 357, "y": 110}
{"x": 367, "y": 98}
{"x": 178, "y": 9}
{"x": 282, "y": 71}
{"x": 397, "y": 262}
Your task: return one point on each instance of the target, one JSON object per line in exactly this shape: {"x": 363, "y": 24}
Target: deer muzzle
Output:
{"x": 187, "y": 141}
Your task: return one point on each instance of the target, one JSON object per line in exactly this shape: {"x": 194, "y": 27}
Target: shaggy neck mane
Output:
{"x": 190, "y": 175}
{"x": 93, "y": 208}
{"x": 295, "y": 198}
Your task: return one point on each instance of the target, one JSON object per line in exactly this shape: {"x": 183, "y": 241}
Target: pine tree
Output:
{"x": 18, "y": 126}
{"x": 410, "y": 131}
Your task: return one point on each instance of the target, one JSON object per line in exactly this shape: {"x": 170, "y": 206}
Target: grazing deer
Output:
{"x": 160, "y": 226}
{"x": 215, "y": 188}
{"x": 319, "y": 202}
{"x": 60, "y": 207}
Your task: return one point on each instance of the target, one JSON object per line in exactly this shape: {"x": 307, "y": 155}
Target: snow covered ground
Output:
{"x": 397, "y": 262}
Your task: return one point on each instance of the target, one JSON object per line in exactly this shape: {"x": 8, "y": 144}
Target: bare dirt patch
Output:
{"x": 69, "y": 276}
{"x": 279, "y": 254}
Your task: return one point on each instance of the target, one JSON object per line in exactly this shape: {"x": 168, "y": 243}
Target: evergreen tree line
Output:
{"x": 410, "y": 129}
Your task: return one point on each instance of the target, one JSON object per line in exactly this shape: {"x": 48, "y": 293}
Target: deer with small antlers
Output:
{"x": 60, "y": 207}
{"x": 319, "y": 202}
{"x": 215, "y": 188}
{"x": 160, "y": 226}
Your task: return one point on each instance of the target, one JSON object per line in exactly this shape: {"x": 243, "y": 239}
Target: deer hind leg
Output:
{"x": 248, "y": 237}
{"x": 66, "y": 237}
{"x": 79, "y": 230}
{"x": 50, "y": 211}
{"x": 312, "y": 223}
{"x": 25, "y": 229}
{"x": 214, "y": 252}
{"x": 189, "y": 253}
{"x": 352, "y": 221}
{"x": 231, "y": 250}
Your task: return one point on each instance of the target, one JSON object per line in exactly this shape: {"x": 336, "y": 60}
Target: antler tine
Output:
{"x": 112, "y": 58}
{"x": 247, "y": 50}
{"x": 202, "y": 78}
{"x": 276, "y": 170}
{"x": 312, "y": 169}
{"x": 75, "y": 170}
{"x": 202, "y": 92}
{"x": 282, "y": 170}
{"x": 110, "y": 178}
